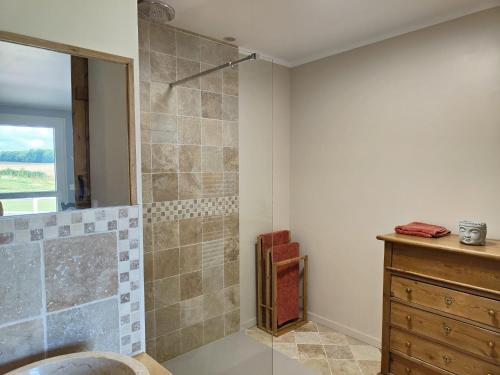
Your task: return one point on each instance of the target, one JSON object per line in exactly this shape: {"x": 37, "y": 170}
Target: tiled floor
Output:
{"x": 323, "y": 350}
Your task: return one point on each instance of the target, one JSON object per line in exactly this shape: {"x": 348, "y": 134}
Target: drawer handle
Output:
{"x": 491, "y": 344}
{"x": 408, "y": 318}
{"x": 448, "y": 300}
{"x": 447, "y": 329}
{"x": 408, "y": 344}
{"x": 408, "y": 290}
{"x": 408, "y": 370}
{"x": 491, "y": 313}
{"x": 446, "y": 359}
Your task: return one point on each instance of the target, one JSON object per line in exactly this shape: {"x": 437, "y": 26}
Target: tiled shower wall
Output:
{"x": 69, "y": 282}
{"x": 190, "y": 190}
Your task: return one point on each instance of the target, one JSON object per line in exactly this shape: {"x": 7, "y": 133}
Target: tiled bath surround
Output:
{"x": 70, "y": 281}
{"x": 190, "y": 190}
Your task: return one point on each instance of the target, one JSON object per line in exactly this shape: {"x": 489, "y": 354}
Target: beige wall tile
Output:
{"x": 189, "y": 131}
{"x": 147, "y": 235}
{"x": 211, "y": 159}
{"x": 147, "y": 188}
{"x": 231, "y": 159}
{"x": 232, "y": 322}
{"x": 212, "y": 228}
{"x": 231, "y": 225}
{"x": 168, "y": 346}
{"x": 164, "y": 158}
{"x": 231, "y": 249}
{"x": 191, "y": 311}
{"x": 230, "y": 134}
{"x": 189, "y": 158}
{"x": 148, "y": 267}
{"x": 166, "y": 235}
{"x": 216, "y": 53}
{"x": 191, "y": 337}
{"x": 190, "y": 231}
{"x": 163, "y": 128}
{"x": 149, "y": 296}
{"x": 188, "y": 102}
{"x": 163, "y": 67}
{"x": 162, "y": 39}
{"x": 232, "y": 298}
{"x": 21, "y": 344}
{"x": 229, "y": 108}
{"x": 163, "y": 98}
{"x": 213, "y": 329}
{"x": 211, "y": 105}
{"x": 20, "y": 282}
{"x": 191, "y": 285}
{"x": 213, "y": 304}
{"x": 189, "y": 185}
{"x": 86, "y": 265}
{"x": 150, "y": 325}
{"x": 166, "y": 263}
{"x": 165, "y": 187}
{"x": 186, "y": 68}
{"x": 211, "y": 82}
{"x": 144, "y": 65}
{"x": 151, "y": 347}
{"x": 146, "y": 158}
{"x": 231, "y": 184}
{"x": 145, "y": 96}
{"x": 90, "y": 327}
{"x": 190, "y": 258}
{"x": 168, "y": 319}
{"x": 230, "y": 82}
{"x": 143, "y": 33}
{"x": 211, "y": 132}
{"x": 188, "y": 46}
{"x": 231, "y": 273}
{"x": 166, "y": 291}
{"x": 212, "y": 185}
{"x": 213, "y": 279}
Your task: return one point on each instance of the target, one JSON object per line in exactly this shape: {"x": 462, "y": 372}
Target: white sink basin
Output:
{"x": 85, "y": 363}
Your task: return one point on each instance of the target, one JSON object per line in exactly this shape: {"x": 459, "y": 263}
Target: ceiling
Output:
{"x": 34, "y": 78}
{"x": 294, "y": 32}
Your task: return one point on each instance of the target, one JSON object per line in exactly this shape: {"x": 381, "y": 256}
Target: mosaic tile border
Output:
{"x": 124, "y": 221}
{"x": 189, "y": 208}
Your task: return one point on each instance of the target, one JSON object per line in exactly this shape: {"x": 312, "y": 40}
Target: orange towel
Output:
{"x": 422, "y": 230}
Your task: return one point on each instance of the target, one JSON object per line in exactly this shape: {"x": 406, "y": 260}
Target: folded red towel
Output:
{"x": 422, "y": 230}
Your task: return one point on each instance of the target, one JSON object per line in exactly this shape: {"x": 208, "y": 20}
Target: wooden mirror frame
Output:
{"x": 88, "y": 53}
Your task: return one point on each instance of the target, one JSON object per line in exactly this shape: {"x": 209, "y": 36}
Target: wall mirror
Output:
{"x": 66, "y": 127}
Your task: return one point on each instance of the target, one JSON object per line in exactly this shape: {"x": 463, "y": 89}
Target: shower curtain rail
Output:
{"x": 252, "y": 56}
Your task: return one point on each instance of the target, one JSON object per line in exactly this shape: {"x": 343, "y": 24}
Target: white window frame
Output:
{"x": 59, "y": 126}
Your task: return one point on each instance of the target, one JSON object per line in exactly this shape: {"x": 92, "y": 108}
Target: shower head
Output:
{"x": 156, "y": 10}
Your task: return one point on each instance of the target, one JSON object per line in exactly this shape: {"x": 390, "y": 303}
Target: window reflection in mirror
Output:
{"x": 63, "y": 131}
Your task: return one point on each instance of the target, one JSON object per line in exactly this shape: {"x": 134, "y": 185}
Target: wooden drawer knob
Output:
{"x": 446, "y": 329}
{"x": 491, "y": 313}
{"x": 448, "y": 301}
{"x": 408, "y": 370}
{"x": 408, "y": 290}
{"x": 408, "y": 344}
{"x": 491, "y": 344}
{"x": 446, "y": 359}
{"x": 408, "y": 318}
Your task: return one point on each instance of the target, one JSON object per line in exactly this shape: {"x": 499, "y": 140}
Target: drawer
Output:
{"x": 479, "y": 309}
{"x": 403, "y": 366}
{"x": 452, "y": 332}
{"x": 460, "y": 268}
{"x": 439, "y": 355}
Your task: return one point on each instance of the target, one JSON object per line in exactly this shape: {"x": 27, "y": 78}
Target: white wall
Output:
{"x": 107, "y": 26}
{"x": 264, "y": 133}
{"x": 109, "y": 141}
{"x": 405, "y": 129}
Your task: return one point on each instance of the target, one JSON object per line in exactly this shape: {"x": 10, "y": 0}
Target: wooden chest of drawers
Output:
{"x": 441, "y": 309}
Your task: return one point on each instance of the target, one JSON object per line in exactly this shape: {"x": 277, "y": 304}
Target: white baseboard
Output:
{"x": 371, "y": 340}
{"x": 248, "y": 324}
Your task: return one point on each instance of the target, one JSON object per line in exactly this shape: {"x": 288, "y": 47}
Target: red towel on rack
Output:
{"x": 288, "y": 282}
{"x": 422, "y": 230}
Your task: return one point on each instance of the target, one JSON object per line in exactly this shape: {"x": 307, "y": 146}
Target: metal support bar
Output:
{"x": 229, "y": 64}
